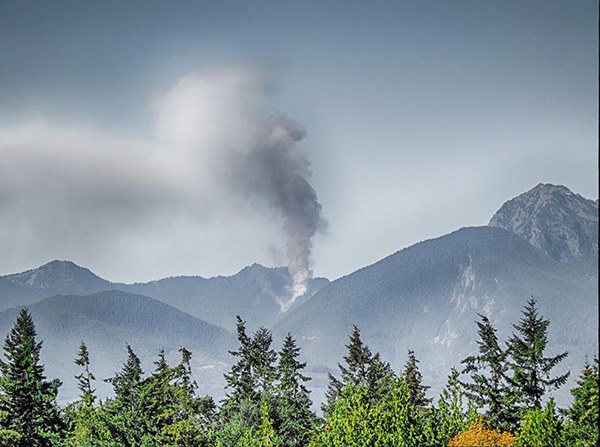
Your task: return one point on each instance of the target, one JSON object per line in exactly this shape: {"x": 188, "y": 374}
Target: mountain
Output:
{"x": 562, "y": 224}
{"x": 107, "y": 321}
{"x": 53, "y": 278}
{"x": 254, "y": 292}
{"x": 427, "y": 297}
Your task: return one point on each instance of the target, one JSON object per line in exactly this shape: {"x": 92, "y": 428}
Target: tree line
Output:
{"x": 496, "y": 398}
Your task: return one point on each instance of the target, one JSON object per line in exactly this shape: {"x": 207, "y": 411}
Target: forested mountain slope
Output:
{"x": 107, "y": 322}
{"x": 427, "y": 296}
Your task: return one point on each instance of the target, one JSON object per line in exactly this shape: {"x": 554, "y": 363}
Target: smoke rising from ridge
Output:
{"x": 251, "y": 154}
{"x": 217, "y": 156}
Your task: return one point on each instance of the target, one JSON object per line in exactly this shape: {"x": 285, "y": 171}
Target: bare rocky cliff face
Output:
{"x": 562, "y": 224}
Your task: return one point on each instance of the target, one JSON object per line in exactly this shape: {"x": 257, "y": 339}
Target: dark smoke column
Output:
{"x": 277, "y": 168}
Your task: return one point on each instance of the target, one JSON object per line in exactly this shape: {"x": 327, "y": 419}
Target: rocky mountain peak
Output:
{"x": 554, "y": 219}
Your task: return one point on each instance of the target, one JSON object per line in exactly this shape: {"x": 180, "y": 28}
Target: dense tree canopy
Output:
{"x": 269, "y": 405}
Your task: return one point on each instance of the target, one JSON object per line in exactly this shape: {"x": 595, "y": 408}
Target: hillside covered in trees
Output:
{"x": 497, "y": 397}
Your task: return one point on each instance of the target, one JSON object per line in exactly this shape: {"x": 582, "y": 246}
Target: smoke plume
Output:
{"x": 253, "y": 154}
{"x": 217, "y": 155}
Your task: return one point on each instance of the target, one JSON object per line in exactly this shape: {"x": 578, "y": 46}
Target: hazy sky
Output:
{"x": 132, "y": 133}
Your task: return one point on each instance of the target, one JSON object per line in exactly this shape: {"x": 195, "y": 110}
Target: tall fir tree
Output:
{"x": 489, "y": 387}
{"x": 85, "y": 378}
{"x": 27, "y": 400}
{"x": 124, "y": 413}
{"x": 126, "y": 383}
{"x": 239, "y": 381}
{"x": 531, "y": 370}
{"x": 86, "y": 423}
{"x": 293, "y": 402}
{"x": 171, "y": 411}
{"x": 361, "y": 368}
{"x": 263, "y": 361}
{"x": 414, "y": 380}
{"x": 251, "y": 380}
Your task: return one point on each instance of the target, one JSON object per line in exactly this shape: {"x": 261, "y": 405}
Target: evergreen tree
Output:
{"x": 240, "y": 380}
{"x": 85, "y": 378}
{"x": 531, "y": 370}
{"x": 362, "y": 368}
{"x": 414, "y": 379}
{"x": 173, "y": 414}
{"x": 124, "y": 415}
{"x": 489, "y": 387}
{"x": 251, "y": 381}
{"x": 126, "y": 383}
{"x": 29, "y": 416}
{"x": 86, "y": 423}
{"x": 581, "y": 429}
{"x": 263, "y": 361}
{"x": 293, "y": 408}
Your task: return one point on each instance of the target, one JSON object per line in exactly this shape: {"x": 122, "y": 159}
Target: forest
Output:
{"x": 497, "y": 397}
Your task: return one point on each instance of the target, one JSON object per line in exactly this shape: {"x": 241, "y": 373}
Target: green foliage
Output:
{"x": 297, "y": 421}
{"x": 252, "y": 378}
{"x": 88, "y": 427}
{"x": 414, "y": 379}
{"x": 581, "y": 428}
{"x": 452, "y": 415}
{"x": 358, "y": 421}
{"x": 361, "y": 368}
{"x": 85, "y": 378}
{"x": 540, "y": 428}
{"x": 489, "y": 387}
{"x": 268, "y": 404}
{"x": 531, "y": 370}
{"x": 29, "y": 415}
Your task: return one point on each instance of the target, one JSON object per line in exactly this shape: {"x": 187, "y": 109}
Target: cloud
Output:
{"x": 216, "y": 145}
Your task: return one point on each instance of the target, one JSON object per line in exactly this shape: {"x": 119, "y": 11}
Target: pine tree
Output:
{"x": 240, "y": 379}
{"x": 124, "y": 413}
{"x": 263, "y": 361}
{"x": 531, "y": 370}
{"x": 293, "y": 408}
{"x": 86, "y": 423}
{"x": 30, "y": 416}
{"x": 362, "y": 368}
{"x": 85, "y": 378}
{"x": 414, "y": 379}
{"x": 172, "y": 413}
{"x": 251, "y": 379}
{"x": 489, "y": 387}
{"x": 126, "y": 383}
{"x": 357, "y": 420}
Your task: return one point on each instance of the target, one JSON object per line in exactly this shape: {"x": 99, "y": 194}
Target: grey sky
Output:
{"x": 421, "y": 117}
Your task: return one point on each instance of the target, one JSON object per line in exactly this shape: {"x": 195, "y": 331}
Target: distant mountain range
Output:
{"x": 425, "y": 297}
{"x": 253, "y": 292}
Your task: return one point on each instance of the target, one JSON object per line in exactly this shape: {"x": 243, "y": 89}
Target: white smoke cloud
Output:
{"x": 215, "y": 144}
